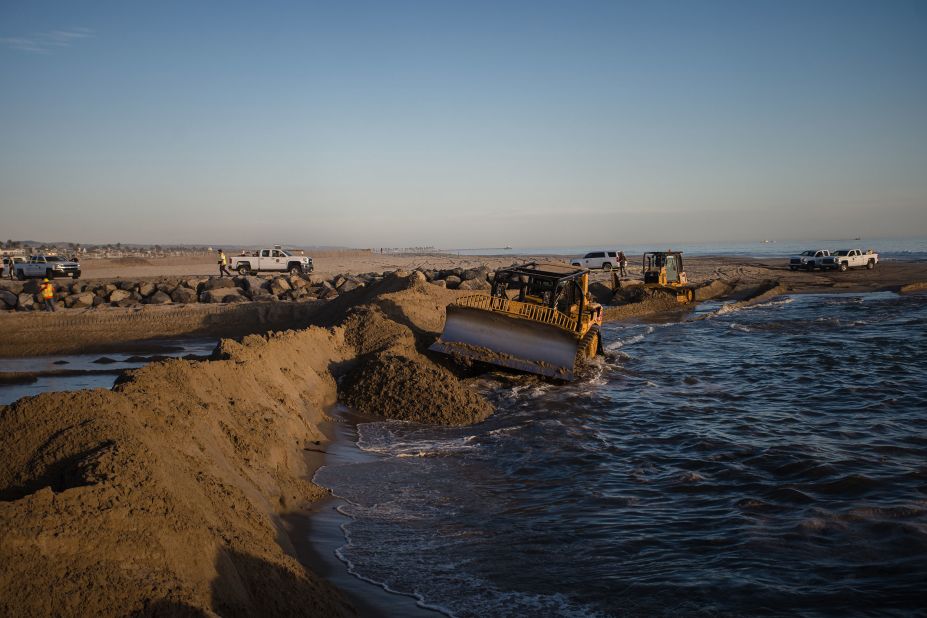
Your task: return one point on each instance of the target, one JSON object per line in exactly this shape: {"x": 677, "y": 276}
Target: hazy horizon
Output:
{"x": 462, "y": 126}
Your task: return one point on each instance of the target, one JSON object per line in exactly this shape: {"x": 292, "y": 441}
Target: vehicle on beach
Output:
{"x": 597, "y": 259}
{"x": 850, "y": 258}
{"x": 663, "y": 272}
{"x": 271, "y": 260}
{"x": 808, "y": 260}
{"x": 9, "y": 264}
{"x": 549, "y": 325}
{"x": 49, "y": 266}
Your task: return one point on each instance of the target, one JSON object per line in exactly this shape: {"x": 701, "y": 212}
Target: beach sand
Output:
{"x": 171, "y": 493}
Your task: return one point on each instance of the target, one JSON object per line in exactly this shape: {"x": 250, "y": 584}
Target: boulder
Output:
{"x": 158, "y": 298}
{"x": 234, "y": 298}
{"x": 441, "y": 283}
{"x": 338, "y": 281}
{"x": 253, "y": 284}
{"x": 25, "y": 301}
{"x": 128, "y": 286}
{"x": 109, "y": 288}
{"x": 297, "y": 282}
{"x": 219, "y": 295}
{"x": 453, "y": 282}
{"x": 167, "y": 288}
{"x": 127, "y": 302}
{"x": 79, "y": 301}
{"x": 32, "y": 286}
{"x": 193, "y": 284}
{"x": 328, "y": 293}
{"x": 262, "y": 296}
{"x": 146, "y": 289}
{"x": 218, "y": 283}
{"x": 8, "y": 299}
{"x": 475, "y": 273}
{"x": 349, "y": 285}
{"x": 183, "y": 295}
{"x": 474, "y": 284}
{"x": 279, "y": 286}
{"x": 98, "y": 300}
{"x": 417, "y": 277}
{"x": 116, "y": 295}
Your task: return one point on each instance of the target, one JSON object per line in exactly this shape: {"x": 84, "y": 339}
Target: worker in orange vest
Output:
{"x": 48, "y": 295}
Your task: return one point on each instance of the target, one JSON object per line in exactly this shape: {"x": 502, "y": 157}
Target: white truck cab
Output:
{"x": 597, "y": 259}
{"x": 808, "y": 260}
{"x": 851, "y": 258}
{"x": 49, "y": 266}
{"x": 275, "y": 259}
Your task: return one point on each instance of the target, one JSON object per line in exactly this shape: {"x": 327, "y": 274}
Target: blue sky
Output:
{"x": 462, "y": 124}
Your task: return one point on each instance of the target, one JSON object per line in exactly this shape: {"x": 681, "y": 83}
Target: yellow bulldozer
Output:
{"x": 663, "y": 272}
{"x": 538, "y": 318}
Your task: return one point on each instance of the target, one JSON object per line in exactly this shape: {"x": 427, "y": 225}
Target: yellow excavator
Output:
{"x": 663, "y": 272}
{"x": 538, "y": 318}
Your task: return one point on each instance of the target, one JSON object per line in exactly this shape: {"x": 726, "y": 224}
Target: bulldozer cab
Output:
{"x": 549, "y": 285}
{"x": 664, "y": 268}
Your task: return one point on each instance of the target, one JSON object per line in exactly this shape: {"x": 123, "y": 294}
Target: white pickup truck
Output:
{"x": 851, "y": 258}
{"x": 49, "y": 266}
{"x": 808, "y": 260}
{"x": 276, "y": 259}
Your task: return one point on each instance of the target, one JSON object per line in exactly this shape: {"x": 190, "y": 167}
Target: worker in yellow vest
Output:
{"x": 48, "y": 295}
{"x": 223, "y": 265}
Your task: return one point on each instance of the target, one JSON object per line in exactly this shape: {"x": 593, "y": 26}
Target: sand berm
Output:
{"x": 162, "y": 495}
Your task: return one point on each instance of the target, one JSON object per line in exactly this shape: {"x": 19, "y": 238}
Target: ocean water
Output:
{"x": 888, "y": 248}
{"x": 767, "y": 460}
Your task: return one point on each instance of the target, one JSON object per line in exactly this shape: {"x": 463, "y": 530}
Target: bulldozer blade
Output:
{"x": 508, "y": 341}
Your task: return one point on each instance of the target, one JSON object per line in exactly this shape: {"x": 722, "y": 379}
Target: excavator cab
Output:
{"x": 538, "y": 318}
{"x": 663, "y": 271}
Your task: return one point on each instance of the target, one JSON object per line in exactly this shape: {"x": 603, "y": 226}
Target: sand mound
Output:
{"x": 159, "y": 496}
{"x": 412, "y": 388}
{"x": 391, "y": 377}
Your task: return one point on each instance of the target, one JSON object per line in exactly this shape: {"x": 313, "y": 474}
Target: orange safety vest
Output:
{"x": 48, "y": 291}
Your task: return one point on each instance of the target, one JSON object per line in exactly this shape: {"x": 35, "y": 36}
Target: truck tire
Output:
{"x": 49, "y": 274}
{"x": 843, "y": 267}
{"x": 296, "y": 269}
{"x": 870, "y": 264}
{"x": 607, "y": 266}
{"x": 244, "y": 269}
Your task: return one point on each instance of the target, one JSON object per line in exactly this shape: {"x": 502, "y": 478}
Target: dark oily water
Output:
{"x": 766, "y": 460}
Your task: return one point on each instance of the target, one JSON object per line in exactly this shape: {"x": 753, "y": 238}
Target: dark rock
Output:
{"x": 474, "y": 284}
{"x": 453, "y": 281}
{"x": 8, "y": 298}
{"x": 183, "y": 295}
{"x": 218, "y": 283}
{"x": 159, "y": 298}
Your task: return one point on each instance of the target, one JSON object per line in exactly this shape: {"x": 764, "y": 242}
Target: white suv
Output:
{"x": 597, "y": 259}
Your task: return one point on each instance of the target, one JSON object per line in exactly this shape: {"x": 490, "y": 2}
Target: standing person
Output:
{"x": 622, "y": 264}
{"x": 48, "y": 294}
{"x": 223, "y": 265}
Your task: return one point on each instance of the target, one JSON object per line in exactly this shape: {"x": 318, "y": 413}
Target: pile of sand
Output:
{"x": 162, "y": 495}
